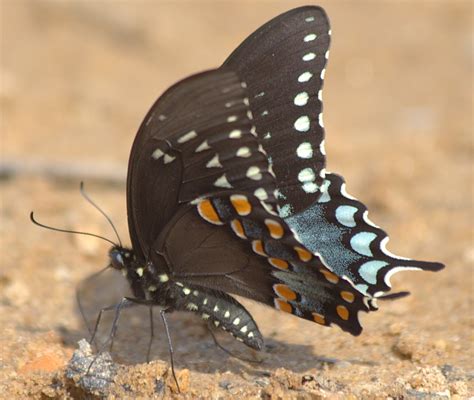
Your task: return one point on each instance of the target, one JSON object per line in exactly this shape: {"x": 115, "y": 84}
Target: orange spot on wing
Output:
{"x": 319, "y": 319}
{"x": 278, "y": 263}
{"x": 238, "y": 228}
{"x": 284, "y": 291}
{"x": 343, "y": 312}
{"x": 257, "y": 247}
{"x": 283, "y": 306}
{"x": 347, "y": 296}
{"x": 208, "y": 212}
{"x": 330, "y": 277}
{"x": 241, "y": 204}
{"x": 303, "y": 254}
{"x": 274, "y": 228}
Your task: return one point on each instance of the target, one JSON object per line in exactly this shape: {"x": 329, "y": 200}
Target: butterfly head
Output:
{"x": 121, "y": 258}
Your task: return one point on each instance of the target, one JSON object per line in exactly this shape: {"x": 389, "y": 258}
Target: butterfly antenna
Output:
{"x": 86, "y": 196}
{"x": 32, "y": 218}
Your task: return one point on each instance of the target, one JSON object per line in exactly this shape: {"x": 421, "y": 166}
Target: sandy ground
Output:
{"x": 78, "y": 77}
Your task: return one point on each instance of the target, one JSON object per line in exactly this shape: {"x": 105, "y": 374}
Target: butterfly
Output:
{"x": 227, "y": 194}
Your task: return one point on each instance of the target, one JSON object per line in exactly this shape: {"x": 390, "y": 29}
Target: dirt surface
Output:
{"x": 77, "y": 79}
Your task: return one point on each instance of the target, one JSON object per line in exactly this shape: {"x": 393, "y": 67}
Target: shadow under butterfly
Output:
{"x": 227, "y": 193}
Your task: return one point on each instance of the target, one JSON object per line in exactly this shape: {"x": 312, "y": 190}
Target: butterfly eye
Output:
{"x": 116, "y": 259}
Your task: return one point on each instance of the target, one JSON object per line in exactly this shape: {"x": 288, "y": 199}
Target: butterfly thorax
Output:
{"x": 146, "y": 281}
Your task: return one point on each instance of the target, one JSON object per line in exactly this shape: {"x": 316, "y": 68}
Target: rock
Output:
{"x": 428, "y": 379}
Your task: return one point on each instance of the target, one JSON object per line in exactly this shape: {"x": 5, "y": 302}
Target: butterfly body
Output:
{"x": 151, "y": 286}
{"x": 227, "y": 193}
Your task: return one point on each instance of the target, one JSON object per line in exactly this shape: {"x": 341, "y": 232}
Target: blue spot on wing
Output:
{"x": 369, "y": 270}
{"x": 345, "y": 215}
{"x": 361, "y": 241}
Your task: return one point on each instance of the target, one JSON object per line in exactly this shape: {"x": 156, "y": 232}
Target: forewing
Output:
{"x": 283, "y": 64}
{"x": 197, "y": 139}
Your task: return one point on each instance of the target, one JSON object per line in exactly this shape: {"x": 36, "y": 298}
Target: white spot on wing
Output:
{"x": 345, "y": 194}
{"x": 301, "y": 99}
{"x": 261, "y": 194}
{"x": 235, "y": 134}
{"x": 304, "y": 150}
{"x": 367, "y": 220}
{"x": 302, "y": 124}
{"x": 158, "y": 153}
{"x": 323, "y": 73}
{"x": 203, "y": 146}
{"x": 321, "y": 122}
{"x": 322, "y": 147}
{"x": 187, "y": 137}
{"x": 309, "y": 57}
{"x": 309, "y": 19}
{"x": 306, "y": 175}
{"x": 305, "y": 77}
{"x": 254, "y": 173}
{"x": 244, "y": 152}
{"x": 222, "y": 182}
{"x": 310, "y": 187}
{"x": 214, "y": 162}
{"x": 310, "y": 37}
{"x": 232, "y": 118}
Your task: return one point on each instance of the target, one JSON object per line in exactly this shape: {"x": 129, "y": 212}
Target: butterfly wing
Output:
{"x": 283, "y": 64}
{"x": 197, "y": 139}
{"x": 337, "y": 227}
{"x": 234, "y": 243}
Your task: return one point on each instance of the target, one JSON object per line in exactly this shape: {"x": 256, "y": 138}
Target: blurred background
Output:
{"x": 77, "y": 77}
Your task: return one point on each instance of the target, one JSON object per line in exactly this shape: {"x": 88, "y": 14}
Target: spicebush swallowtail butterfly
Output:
{"x": 227, "y": 194}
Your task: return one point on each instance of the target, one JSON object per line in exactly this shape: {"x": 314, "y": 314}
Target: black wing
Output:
{"x": 337, "y": 227}
{"x": 283, "y": 64}
{"x": 233, "y": 243}
{"x": 197, "y": 139}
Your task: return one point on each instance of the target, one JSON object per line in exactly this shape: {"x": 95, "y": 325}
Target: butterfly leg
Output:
{"x": 152, "y": 334}
{"x": 126, "y": 302}
{"x": 230, "y": 353}
{"x": 170, "y": 345}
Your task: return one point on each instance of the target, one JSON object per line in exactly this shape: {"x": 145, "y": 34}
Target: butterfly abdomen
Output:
{"x": 219, "y": 310}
